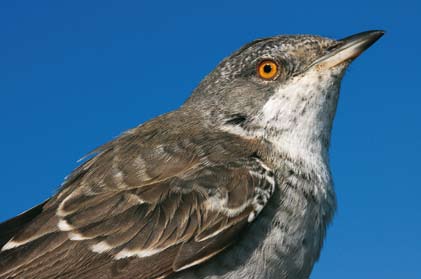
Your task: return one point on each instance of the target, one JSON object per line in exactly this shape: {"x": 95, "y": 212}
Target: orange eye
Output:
{"x": 267, "y": 69}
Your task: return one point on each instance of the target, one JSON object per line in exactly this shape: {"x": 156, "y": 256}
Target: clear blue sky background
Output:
{"x": 75, "y": 74}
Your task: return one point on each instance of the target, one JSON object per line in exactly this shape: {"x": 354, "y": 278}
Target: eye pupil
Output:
{"x": 267, "y": 68}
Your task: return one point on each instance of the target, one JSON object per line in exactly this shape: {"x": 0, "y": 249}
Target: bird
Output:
{"x": 235, "y": 183}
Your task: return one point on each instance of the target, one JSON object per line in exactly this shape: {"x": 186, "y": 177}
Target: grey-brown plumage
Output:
{"x": 234, "y": 184}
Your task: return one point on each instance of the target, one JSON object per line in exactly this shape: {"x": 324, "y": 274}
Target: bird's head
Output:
{"x": 283, "y": 89}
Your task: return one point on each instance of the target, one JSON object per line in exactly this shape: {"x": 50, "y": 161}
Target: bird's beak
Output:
{"x": 347, "y": 49}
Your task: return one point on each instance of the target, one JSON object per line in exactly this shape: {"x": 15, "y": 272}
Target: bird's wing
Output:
{"x": 117, "y": 216}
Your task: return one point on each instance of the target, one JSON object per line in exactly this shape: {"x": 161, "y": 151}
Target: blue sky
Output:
{"x": 75, "y": 74}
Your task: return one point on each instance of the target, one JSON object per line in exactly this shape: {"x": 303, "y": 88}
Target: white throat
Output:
{"x": 298, "y": 118}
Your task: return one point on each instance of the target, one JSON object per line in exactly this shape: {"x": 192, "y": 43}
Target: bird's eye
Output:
{"x": 267, "y": 69}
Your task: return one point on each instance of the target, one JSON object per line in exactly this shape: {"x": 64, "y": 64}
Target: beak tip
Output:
{"x": 377, "y": 33}
{"x": 370, "y": 36}
{"x": 363, "y": 39}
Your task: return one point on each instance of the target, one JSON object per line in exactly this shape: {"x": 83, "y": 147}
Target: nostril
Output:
{"x": 334, "y": 46}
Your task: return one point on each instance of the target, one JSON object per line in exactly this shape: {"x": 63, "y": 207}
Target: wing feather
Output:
{"x": 114, "y": 219}
{"x": 10, "y": 228}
